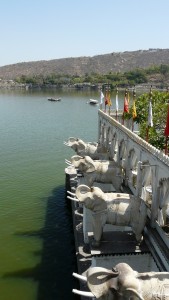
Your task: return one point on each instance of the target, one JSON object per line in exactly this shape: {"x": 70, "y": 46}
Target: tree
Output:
{"x": 164, "y": 69}
{"x": 160, "y": 102}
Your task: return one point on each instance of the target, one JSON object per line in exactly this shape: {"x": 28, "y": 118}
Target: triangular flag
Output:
{"x": 101, "y": 97}
{"x": 126, "y": 105}
{"x": 109, "y": 99}
{"x": 106, "y": 98}
{"x": 134, "y": 113}
{"x": 150, "y": 115}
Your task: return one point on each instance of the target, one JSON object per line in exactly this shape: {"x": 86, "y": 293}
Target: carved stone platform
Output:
{"x": 117, "y": 242}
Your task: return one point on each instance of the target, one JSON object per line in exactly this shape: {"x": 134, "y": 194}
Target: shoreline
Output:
{"x": 12, "y": 85}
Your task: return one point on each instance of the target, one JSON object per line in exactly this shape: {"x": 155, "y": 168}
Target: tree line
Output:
{"x": 120, "y": 79}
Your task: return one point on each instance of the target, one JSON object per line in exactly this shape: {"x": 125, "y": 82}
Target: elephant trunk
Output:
{"x": 132, "y": 292}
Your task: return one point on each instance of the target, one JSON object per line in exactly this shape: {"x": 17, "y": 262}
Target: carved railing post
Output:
{"x": 139, "y": 179}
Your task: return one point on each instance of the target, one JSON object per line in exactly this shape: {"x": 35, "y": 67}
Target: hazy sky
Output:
{"x": 34, "y": 30}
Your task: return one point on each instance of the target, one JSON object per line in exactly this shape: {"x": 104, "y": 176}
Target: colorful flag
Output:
{"x": 150, "y": 115}
{"x": 166, "y": 131}
{"x": 126, "y": 105}
{"x": 106, "y": 98}
{"x": 101, "y": 97}
{"x": 109, "y": 99}
{"x": 134, "y": 112}
{"x": 117, "y": 102}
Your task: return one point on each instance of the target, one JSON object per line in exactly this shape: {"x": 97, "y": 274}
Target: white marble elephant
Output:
{"x": 112, "y": 208}
{"x": 122, "y": 282}
{"x": 98, "y": 171}
{"x": 91, "y": 149}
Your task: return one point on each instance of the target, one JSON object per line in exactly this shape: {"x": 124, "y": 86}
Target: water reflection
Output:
{"x": 58, "y": 260}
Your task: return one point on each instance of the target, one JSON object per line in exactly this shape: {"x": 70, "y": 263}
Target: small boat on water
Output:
{"x": 54, "y": 99}
{"x": 93, "y": 101}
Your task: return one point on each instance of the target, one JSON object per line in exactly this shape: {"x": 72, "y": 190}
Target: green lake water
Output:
{"x": 37, "y": 255}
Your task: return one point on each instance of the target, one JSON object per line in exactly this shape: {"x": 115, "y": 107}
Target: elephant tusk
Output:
{"x": 74, "y": 180}
{"x": 79, "y": 175}
{"x": 83, "y": 278}
{"x": 74, "y": 199}
{"x": 82, "y": 293}
{"x": 70, "y": 193}
{"x": 68, "y": 162}
{"x": 66, "y": 144}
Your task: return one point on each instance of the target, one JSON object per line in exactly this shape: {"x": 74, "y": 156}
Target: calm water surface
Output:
{"x": 37, "y": 255}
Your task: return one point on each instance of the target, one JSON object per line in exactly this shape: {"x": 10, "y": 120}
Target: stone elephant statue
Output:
{"x": 112, "y": 208}
{"x": 98, "y": 171}
{"x": 122, "y": 282}
{"x": 91, "y": 149}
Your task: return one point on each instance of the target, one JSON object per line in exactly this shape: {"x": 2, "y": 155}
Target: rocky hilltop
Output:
{"x": 100, "y": 64}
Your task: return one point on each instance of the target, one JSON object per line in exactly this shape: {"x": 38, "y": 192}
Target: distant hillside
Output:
{"x": 100, "y": 64}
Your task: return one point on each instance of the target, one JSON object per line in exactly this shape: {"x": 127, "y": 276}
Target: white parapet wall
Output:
{"x": 145, "y": 168}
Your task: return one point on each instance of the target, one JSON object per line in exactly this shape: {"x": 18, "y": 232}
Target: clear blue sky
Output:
{"x": 33, "y": 30}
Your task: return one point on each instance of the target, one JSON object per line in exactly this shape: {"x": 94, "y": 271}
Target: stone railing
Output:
{"x": 145, "y": 168}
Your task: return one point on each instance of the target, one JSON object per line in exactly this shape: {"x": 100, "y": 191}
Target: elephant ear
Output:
{"x": 98, "y": 199}
{"x": 81, "y": 190}
{"x": 81, "y": 146}
{"x": 99, "y": 281}
{"x": 72, "y": 140}
{"x": 75, "y": 159}
{"x": 90, "y": 164}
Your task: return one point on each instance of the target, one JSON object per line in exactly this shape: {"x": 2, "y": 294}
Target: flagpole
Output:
{"x": 128, "y": 96}
{"x": 125, "y": 99}
{"x": 149, "y": 116}
{"x": 166, "y": 145}
{"x": 105, "y": 102}
{"x": 134, "y": 97}
{"x": 116, "y": 101}
{"x": 109, "y": 99}
{"x": 147, "y": 134}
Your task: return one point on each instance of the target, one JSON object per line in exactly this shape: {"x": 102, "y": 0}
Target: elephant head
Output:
{"x": 92, "y": 198}
{"x": 118, "y": 283}
{"x": 112, "y": 208}
{"x": 84, "y": 164}
{"x": 76, "y": 144}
